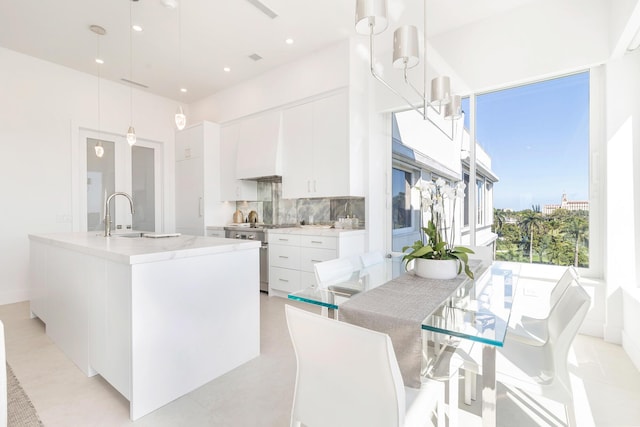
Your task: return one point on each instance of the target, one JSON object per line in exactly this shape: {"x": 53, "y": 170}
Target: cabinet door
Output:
{"x": 230, "y": 187}
{"x": 216, "y": 233}
{"x": 284, "y": 256}
{"x": 189, "y": 142}
{"x": 190, "y": 197}
{"x": 297, "y": 152}
{"x": 311, "y": 256}
{"x": 284, "y": 279}
{"x": 259, "y": 146}
{"x": 331, "y": 146}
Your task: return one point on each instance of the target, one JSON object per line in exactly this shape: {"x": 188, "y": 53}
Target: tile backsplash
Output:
{"x": 272, "y": 209}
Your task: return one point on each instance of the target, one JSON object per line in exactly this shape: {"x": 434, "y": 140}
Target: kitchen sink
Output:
{"x": 137, "y": 234}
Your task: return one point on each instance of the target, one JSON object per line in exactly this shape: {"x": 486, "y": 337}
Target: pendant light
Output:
{"x": 180, "y": 118}
{"x": 371, "y": 20}
{"x": 99, "y": 31}
{"x": 131, "y": 133}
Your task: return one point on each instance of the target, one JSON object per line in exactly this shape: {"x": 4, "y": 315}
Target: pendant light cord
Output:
{"x": 179, "y": 47}
{"x": 99, "y": 88}
{"x": 131, "y": 62}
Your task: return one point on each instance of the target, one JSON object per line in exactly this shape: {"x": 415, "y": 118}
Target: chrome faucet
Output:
{"x": 107, "y": 215}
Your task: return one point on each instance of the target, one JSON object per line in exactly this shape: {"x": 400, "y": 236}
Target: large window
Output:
{"x": 401, "y": 199}
{"x": 480, "y": 201}
{"x": 535, "y": 138}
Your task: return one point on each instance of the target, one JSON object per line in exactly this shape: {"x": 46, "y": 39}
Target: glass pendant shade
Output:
{"x": 440, "y": 91}
{"x": 181, "y": 119}
{"x": 99, "y": 149}
{"x": 405, "y": 47}
{"x": 372, "y": 12}
{"x": 131, "y": 135}
{"x": 453, "y": 110}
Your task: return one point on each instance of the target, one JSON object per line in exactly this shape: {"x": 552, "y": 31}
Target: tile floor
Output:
{"x": 606, "y": 386}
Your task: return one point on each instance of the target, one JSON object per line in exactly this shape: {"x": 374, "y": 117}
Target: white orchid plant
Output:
{"x": 438, "y": 203}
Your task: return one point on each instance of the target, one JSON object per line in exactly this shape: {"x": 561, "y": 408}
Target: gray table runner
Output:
{"x": 398, "y": 309}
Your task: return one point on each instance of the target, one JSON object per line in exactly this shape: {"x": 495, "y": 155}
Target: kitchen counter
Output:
{"x": 136, "y": 250}
{"x": 313, "y": 230}
{"x": 155, "y": 317}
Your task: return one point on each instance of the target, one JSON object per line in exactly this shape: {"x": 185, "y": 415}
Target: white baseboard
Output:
{"x": 632, "y": 346}
{"x": 14, "y": 296}
{"x": 592, "y": 327}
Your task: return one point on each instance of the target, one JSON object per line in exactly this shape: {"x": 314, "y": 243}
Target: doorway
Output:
{"x": 108, "y": 164}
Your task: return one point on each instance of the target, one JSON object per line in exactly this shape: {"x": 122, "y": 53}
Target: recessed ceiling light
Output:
{"x": 99, "y": 61}
{"x": 183, "y": 90}
{"x": 227, "y": 69}
{"x": 289, "y": 41}
{"x": 137, "y": 28}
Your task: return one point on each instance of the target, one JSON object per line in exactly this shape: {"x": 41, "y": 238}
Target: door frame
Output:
{"x": 79, "y": 168}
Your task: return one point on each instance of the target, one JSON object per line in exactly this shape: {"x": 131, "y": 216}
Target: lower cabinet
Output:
{"x": 292, "y": 255}
{"x": 215, "y": 232}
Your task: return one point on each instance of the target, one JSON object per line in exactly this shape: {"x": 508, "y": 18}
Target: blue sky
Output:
{"x": 538, "y": 138}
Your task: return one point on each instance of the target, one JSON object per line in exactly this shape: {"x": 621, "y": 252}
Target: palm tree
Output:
{"x": 531, "y": 220}
{"x": 578, "y": 228}
{"x": 499, "y": 218}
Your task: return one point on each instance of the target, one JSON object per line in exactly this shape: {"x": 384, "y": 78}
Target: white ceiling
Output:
{"x": 213, "y": 34}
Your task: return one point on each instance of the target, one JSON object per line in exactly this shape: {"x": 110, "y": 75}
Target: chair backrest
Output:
{"x": 568, "y": 277}
{"x": 483, "y": 253}
{"x": 336, "y": 270}
{"x": 563, "y": 325}
{"x": 567, "y": 316}
{"x": 346, "y": 375}
{"x": 371, "y": 258}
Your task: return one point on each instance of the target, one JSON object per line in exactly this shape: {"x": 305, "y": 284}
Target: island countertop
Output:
{"x": 137, "y": 250}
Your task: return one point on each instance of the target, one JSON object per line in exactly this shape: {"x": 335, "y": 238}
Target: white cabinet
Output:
{"x": 259, "y": 146}
{"x": 197, "y": 179}
{"x": 232, "y": 188}
{"x": 292, "y": 256}
{"x": 317, "y": 152}
{"x": 216, "y": 232}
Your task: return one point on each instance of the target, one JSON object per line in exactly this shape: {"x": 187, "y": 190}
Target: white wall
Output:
{"x": 42, "y": 106}
{"x": 539, "y": 39}
{"x": 323, "y": 71}
{"x": 623, "y": 207}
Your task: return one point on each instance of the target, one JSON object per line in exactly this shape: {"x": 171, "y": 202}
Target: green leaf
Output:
{"x": 463, "y": 249}
{"x": 422, "y": 251}
{"x": 468, "y": 271}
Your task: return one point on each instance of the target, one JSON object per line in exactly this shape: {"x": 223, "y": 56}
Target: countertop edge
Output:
{"x": 142, "y": 250}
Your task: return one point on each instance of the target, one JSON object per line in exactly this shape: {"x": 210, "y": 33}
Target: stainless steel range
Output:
{"x": 254, "y": 233}
{"x": 257, "y": 232}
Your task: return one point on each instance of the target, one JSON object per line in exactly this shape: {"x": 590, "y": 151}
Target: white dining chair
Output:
{"x": 525, "y": 329}
{"x": 483, "y": 253}
{"x": 531, "y": 329}
{"x": 349, "y": 376}
{"x": 339, "y": 270}
{"x": 369, "y": 259}
{"x": 541, "y": 369}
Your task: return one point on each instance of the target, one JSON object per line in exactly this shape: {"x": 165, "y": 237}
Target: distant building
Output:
{"x": 570, "y": 205}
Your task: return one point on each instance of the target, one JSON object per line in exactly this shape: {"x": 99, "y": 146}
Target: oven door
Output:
{"x": 264, "y": 268}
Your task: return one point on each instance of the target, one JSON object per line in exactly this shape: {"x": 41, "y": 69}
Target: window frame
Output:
{"x": 596, "y": 166}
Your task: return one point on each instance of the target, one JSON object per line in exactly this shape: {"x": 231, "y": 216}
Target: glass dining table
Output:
{"x": 459, "y": 311}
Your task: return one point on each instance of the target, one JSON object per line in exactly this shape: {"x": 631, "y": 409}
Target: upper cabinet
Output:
{"x": 232, "y": 188}
{"x": 317, "y": 152}
{"x": 259, "y": 146}
{"x": 197, "y": 179}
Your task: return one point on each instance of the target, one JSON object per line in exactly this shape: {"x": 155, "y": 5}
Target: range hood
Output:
{"x": 259, "y": 154}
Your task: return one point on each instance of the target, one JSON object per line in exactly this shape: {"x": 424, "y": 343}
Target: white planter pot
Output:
{"x": 436, "y": 268}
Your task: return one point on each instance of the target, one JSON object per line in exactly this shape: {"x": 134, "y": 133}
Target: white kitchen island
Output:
{"x": 156, "y": 317}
